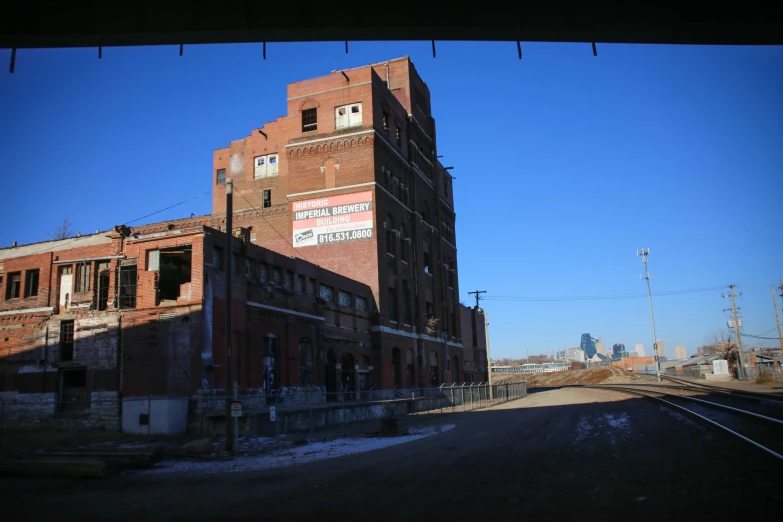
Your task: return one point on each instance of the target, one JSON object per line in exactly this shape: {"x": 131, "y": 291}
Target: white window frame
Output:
{"x": 269, "y": 167}
{"x": 351, "y": 118}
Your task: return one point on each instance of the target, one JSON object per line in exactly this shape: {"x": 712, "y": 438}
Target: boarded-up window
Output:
{"x": 260, "y": 167}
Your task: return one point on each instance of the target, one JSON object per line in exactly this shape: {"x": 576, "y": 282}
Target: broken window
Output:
{"x": 260, "y": 167}
{"x": 385, "y": 121}
{"x": 344, "y": 298}
{"x": 75, "y": 396}
{"x": 361, "y": 303}
{"x": 267, "y": 198}
{"x": 305, "y": 363}
{"x": 309, "y": 120}
{"x": 14, "y": 285}
{"x": 327, "y": 293}
{"x": 273, "y": 165}
{"x": 103, "y": 285}
{"x": 128, "y": 276}
{"x": 174, "y": 267}
{"x": 31, "y": 283}
{"x": 348, "y": 115}
{"x": 66, "y": 340}
{"x": 83, "y": 277}
{"x": 392, "y": 304}
{"x": 221, "y": 176}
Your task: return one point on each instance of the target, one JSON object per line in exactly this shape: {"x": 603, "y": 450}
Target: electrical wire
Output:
{"x": 78, "y": 238}
{"x": 270, "y": 224}
{"x": 597, "y": 297}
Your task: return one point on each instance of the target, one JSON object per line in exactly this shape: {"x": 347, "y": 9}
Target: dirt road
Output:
{"x": 572, "y": 454}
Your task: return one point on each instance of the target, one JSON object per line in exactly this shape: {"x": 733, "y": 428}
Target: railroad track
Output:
{"x": 768, "y": 399}
{"x": 763, "y": 432}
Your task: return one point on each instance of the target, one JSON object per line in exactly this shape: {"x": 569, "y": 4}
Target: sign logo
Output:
{"x": 304, "y": 235}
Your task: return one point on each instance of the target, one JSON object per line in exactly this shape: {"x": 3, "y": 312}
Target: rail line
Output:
{"x": 721, "y": 408}
{"x": 729, "y": 392}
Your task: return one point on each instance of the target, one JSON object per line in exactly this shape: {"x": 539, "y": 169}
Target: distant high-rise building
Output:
{"x": 680, "y": 352}
{"x": 661, "y": 349}
{"x": 599, "y": 347}
{"x": 588, "y": 345}
{"x": 579, "y": 355}
{"x": 618, "y": 351}
{"x": 639, "y": 349}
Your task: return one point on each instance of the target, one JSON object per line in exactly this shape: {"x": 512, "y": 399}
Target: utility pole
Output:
{"x": 735, "y": 321}
{"x": 644, "y": 252}
{"x": 777, "y": 317}
{"x": 478, "y": 295}
{"x": 229, "y": 316}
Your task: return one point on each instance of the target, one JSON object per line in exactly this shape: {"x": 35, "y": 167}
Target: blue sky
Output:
{"x": 565, "y": 164}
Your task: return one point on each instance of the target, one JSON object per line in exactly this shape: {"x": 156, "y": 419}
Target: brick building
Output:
{"x": 349, "y": 180}
{"x": 344, "y": 263}
{"x": 474, "y": 343}
{"x": 87, "y": 321}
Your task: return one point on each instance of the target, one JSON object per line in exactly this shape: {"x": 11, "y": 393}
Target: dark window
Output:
{"x": 385, "y": 121}
{"x": 403, "y": 243}
{"x": 429, "y": 310}
{"x": 75, "y": 396}
{"x": 427, "y": 262}
{"x": 392, "y": 304}
{"x": 221, "y": 176}
{"x": 103, "y": 285}
{"x": 128, "y": 276}
{"x": 31, "y": 283}
{"x": 399, "y": 137}
{"x": 327, "y": 293}
{"x": 343, "y": 298}
{"x": 262, "y": 273}
{"x": 66, "y": 340}
{"x": 300, "y": 284}
{"x": 390, "y": 232}
{"x": 289, "y": 280}
{"x": 218, "y": 259}
{"x": 453, "y": 323}
{"x": 305, "y": 363}
{"x": 311, "y": 287}
{"x": 406, "y": 311}
{"x": 144, "y": 419}
{"x": 276, "y": 276}
{"x": 250, "y": 268}
{"x": 361, "y": 303}
{"x": 14, "y": 285}
{"x": 267, "y": 198}
{"x": 309, "y": 120}
{"x": 174, "y": 266}
{"x": 451, "y": 274}
{"x": 83, "y": 277}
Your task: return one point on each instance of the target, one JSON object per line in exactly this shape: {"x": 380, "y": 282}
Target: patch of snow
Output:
{"x": 289, "y": 455}
{"x": 583, "y": 429}
{"x": 447, "y": 427}
{"x": 618, "y": 421}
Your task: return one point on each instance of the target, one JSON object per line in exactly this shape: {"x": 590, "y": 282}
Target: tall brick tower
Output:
{"x": 350, "y": 180}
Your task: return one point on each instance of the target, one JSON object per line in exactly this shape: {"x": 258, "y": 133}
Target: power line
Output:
{"x": 268, "y": 223}
{"x": 78, "y": 238}
{"x": 600, "y": 297}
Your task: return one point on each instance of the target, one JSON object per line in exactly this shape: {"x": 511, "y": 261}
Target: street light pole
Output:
{"x": 644, "y": 252}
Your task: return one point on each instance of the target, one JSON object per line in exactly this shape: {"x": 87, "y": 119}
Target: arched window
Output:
{"x": 390, "y": 234}
{"x": 305, "y": 362}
